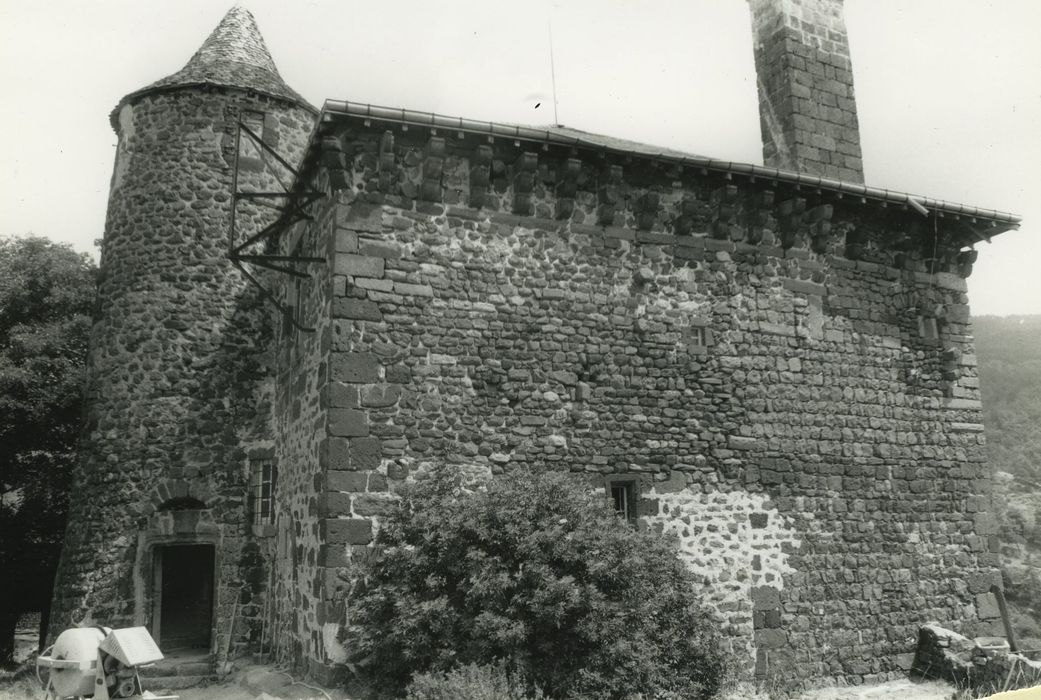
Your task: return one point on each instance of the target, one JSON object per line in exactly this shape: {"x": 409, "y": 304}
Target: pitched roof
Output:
{"x": 235, "y": 56}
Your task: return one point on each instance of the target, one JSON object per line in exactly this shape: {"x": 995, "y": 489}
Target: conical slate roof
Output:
{"x": 234, "y": 56}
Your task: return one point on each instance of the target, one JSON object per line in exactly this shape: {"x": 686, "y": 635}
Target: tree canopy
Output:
{"x": 46, "y": 294}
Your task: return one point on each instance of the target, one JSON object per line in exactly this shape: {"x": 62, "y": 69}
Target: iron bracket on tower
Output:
{"x": 291, "y": 207}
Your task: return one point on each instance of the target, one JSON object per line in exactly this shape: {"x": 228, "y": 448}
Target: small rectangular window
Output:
{"x": 927, "y": 328}
{"x": 254, "y": 121}
{"x": 262, "y": 490}
{"x": 624, "y": 497}
{"x": 697, "y": 337}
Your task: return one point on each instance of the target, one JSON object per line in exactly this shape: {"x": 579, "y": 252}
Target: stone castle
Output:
{"x": 299, "y": 309}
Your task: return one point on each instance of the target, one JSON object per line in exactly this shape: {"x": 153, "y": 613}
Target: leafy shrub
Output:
{"x": 471, "y": 682}
{"x": 537, "y": 571}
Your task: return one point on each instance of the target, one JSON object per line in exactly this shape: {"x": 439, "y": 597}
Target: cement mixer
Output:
{"x": 99, "y": 663}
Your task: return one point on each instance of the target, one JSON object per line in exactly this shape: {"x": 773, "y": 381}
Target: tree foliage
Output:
{"x": 472, "y": 682}
{"x": 1009, "y": 352}
{"x": 46, "y": 293}
{"x": 536, "y": 571}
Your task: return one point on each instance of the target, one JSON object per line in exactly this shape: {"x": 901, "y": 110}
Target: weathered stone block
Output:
{"x": 964, "y": 404}
{"x": 338, "y": 531}
{"x": 986, "y": 524}
{"x": 740, "y": 442}
{"x": 565, "y": 377}
{"x": 766, "y": 619}
{"x": 765, "y": 598}
{"x": 354, "y": 368}
{"x": 358, "y": 309}
{"x": 343, "y": 395}
{"x": 777, "y": 328}
{"x": 804, "y": 287}
{"x": 771, "y": 638}
{"x": 380, "y": 249}
{"x": 347, "y": 422}
{"x": 361, "y": 216}
{"x": 337, "y": 453}
{"x": 333, "y": 504}
{"x": 337, "y": 480}
{"x": 379, "y": 285}
{"x": 346, "y": 242}
{"x": 366, "y": 453}
{"x": 417, "y": 290}
{"x": 399, "y": 374}
{"x": 333, "y": 555}
{"x": 381, "y": 395}
{"x": 328, "y": 611}
{"x": 358, "y": 265}
{"x": 375, "y": 504}
{"x": 987, "y": 606}
{"x": 981, "y": 582}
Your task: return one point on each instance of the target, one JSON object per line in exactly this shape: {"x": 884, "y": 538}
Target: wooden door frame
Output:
{"x": 153, "y": 558}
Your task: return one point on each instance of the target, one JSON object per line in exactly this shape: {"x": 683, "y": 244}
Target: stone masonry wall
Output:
{"x": 789, "y": 374}
{"x": 808, "y": 113}
{"x": 301, "y": 411}
{"x": 180, "y": 386}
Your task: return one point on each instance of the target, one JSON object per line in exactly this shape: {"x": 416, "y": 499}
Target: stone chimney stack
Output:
{"x": 806, "y": 107}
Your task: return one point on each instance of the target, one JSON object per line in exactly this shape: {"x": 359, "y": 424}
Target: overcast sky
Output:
{"x": 948, "y": 91}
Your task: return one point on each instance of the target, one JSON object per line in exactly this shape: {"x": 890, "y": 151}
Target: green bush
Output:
{"x": 536, "y": 570}
{"x": 471, "y": 682}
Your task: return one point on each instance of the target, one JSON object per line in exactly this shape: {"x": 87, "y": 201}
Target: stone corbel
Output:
{"x": 567, "y": 187}
{"x": 387, "y": 167}
{"x": 951, "y": 358}
{"x": 724, "y": 225}
{"x": 760, "y": 215}
{"x": 334, "y": 160}
{"x": 524, "y": 183}
{"x": 647, "y": 206}
{"x": 433, "y": 166}
{"x": 690, "y": 212}
{"x": 609, "y": 195}
{"x": 819, "y": 221}
{"x": 965, "y": 260}
{"x": 480, "y": 176}
{"x": 790, "y": 214}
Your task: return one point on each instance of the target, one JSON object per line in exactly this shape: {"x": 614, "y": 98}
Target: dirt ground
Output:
{"x": 263, "y": 683}
{"x": 894, "y": 690}
{"x": 254, "y": 683}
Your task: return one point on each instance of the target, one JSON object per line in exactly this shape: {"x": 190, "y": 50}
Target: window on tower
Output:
{"x": 262, "y": 490}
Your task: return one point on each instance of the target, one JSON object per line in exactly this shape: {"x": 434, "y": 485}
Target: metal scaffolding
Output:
{"x": 291, "y": 206}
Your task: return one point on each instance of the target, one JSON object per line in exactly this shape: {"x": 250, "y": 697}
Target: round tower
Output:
{"x": 167, "y": 514}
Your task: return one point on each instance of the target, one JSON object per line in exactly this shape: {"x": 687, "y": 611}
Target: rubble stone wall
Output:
{"x": 180, "y": 391}
{"x": 790, "y": 373}
{"x": 301, "y": 410}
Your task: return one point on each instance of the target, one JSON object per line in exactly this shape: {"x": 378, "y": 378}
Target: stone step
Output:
{"x": 160, "y": 683}
{"x": 177, "y": 667}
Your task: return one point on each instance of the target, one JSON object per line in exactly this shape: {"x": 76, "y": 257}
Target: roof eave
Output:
{"x": 299, "y": 101}
{"x": 1000, "y": 221}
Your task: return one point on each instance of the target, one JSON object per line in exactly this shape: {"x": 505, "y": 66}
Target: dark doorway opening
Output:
{"x": 184, "y": 584}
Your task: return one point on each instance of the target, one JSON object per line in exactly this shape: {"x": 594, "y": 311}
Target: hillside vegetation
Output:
{"x": 1009, "y": 352}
